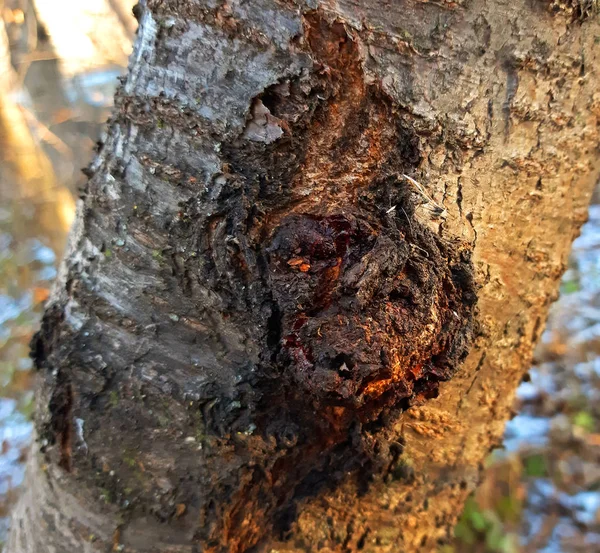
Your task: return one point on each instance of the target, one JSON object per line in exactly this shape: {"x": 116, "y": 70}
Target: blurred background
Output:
{"x": 59, "y": 63}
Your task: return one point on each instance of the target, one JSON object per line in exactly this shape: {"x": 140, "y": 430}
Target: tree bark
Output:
{"x": 307, "y": 273}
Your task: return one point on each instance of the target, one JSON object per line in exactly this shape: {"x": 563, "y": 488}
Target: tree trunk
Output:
{"x": 307, "y": 273}
{"x": 26, "y": 173}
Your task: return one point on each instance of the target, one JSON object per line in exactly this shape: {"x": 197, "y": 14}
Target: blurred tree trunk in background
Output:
{"x": 72, "y": 54}
{"x": 26, "y": 172}
{"x": 279, "y": 252}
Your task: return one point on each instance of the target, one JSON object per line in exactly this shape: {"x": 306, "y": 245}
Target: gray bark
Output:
{"x": 264, "y": 336}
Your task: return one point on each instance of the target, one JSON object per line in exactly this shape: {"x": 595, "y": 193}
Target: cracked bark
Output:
{"x": 307, "y": 273}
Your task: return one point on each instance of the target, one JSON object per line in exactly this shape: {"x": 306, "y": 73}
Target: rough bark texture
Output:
{"x": 307, "y": 273}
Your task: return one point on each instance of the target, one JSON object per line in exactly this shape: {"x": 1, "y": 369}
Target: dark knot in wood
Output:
{"x": 371, "y": 311}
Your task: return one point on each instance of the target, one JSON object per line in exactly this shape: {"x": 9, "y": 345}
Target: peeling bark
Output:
{"x": 308, "y": 270}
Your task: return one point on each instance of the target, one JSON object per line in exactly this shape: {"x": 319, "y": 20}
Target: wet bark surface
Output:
{"x": 305, "y": 217}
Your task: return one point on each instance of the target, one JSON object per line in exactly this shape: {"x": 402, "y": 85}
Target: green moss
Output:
{"x": 200, "y": 427}
{"x": 163, "y": 420}
{"x": 403, "y": 469}
{"x": 406, "y": 36}
{"x": 113, "y": 397}
{"x": 106, "y": 495}
{"x": 129, "y": 461}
